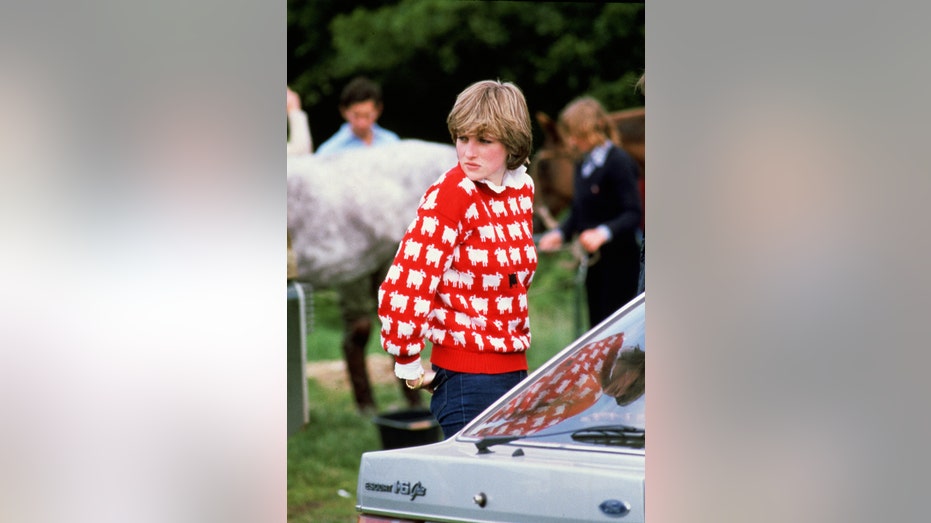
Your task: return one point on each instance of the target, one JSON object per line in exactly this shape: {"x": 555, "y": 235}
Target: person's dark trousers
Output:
{"x": 612, "y": 279}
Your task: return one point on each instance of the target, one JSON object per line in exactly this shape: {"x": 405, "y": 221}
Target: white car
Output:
{"x": 567, "y": 444}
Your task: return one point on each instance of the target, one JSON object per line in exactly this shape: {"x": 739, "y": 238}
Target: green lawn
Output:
{"x": 323, "y": 458}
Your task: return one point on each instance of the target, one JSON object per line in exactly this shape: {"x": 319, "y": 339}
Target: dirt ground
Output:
{"x": 332, "y": 373}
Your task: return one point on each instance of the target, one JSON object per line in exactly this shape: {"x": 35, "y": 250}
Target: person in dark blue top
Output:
{"x": 606, "y": 210}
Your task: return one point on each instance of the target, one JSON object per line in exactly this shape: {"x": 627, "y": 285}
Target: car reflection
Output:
{"x": 587, "y": 386}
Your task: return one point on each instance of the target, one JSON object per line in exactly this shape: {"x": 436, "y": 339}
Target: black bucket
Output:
{"x": 407, "y": 428}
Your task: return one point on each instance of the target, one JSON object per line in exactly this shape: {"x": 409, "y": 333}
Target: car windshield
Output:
{"x": 595, "y": 386}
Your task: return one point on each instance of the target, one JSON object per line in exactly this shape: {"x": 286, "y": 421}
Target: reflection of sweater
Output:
{"x": 460, "y": 277}
{"x": 569, "y": 389}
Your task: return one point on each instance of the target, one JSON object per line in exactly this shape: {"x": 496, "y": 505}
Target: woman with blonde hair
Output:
{"x": 461, "y": 273}
{"x": 605, "y": 212}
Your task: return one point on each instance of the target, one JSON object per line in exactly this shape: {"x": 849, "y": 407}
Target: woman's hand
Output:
{"x": 550, "y": 241}
{"x": 425, "y": 382}
{"x": 428, "y": 377}
{"x": 592, "y": 239}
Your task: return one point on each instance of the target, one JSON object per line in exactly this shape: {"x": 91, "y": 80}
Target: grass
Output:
{"x": 323, "y": 458}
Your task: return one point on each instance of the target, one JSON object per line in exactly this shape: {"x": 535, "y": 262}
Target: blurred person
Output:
{"x": 605, "y": 212}
{"x": 299, "y": 142}
{"x": 360, "y": 104}
{"x": 462, "y": 270}
{"x": 641, "y": 282}
{"x": 299, "y": 138}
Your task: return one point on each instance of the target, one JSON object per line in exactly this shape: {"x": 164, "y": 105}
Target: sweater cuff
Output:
{"x": 408, "y": 371}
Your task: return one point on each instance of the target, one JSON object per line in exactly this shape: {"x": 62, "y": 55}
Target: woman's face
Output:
{"x": 482, "y": 158}
{"x": 583, "y": 143}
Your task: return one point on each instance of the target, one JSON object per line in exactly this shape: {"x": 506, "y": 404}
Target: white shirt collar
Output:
{"x": 515, "y": 178}
{"x": 596, "y": 158}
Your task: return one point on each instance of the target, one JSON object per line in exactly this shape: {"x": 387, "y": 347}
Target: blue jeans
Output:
{"x": 459, "y": 397}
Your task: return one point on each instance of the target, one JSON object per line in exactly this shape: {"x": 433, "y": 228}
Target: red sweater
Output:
{"x": 460, "y": 277}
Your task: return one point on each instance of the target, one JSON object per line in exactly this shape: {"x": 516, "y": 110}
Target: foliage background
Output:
{"x": 424, "y": 52}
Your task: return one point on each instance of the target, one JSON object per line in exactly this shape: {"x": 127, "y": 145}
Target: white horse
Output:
{"x": 348, "y": 212}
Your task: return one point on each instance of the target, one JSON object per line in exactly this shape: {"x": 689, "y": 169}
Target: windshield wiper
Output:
{"x": 621, "y": 435}
{"x": 483, "y": 444}
{"x": 608, "y": 434}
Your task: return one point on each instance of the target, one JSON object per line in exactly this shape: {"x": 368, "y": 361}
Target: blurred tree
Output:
{"x": 424, "y": 52}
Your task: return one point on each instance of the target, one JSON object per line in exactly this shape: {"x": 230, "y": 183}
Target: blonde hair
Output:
{"x": 585, "y": 118}
{"x": 498, "y": 110}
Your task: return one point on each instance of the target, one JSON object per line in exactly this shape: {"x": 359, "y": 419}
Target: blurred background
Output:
{"x": 424, "y": 52}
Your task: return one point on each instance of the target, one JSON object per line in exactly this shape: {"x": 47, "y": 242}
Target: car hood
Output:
{"x": 450, "y": 481}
